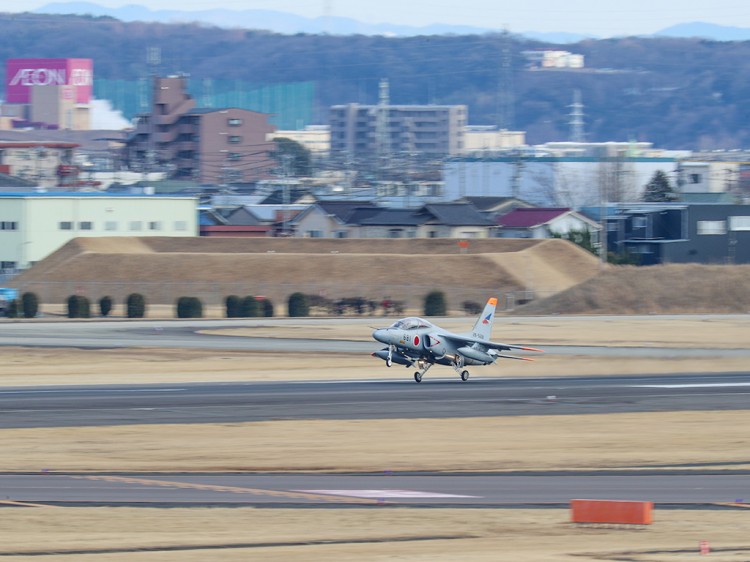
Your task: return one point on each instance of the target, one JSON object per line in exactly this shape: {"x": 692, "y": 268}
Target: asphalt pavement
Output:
{"x": 427, "y": 490}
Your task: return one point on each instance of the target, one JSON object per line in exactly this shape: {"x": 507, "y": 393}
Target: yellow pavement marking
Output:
{"x": 231, "y": 489}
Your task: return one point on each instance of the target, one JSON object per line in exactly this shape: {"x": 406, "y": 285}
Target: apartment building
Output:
{"x": 208, "y": 145}
{"x": 366, "y": 130}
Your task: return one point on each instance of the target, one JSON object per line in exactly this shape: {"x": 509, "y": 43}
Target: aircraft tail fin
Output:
{"x": 483, "y": 326}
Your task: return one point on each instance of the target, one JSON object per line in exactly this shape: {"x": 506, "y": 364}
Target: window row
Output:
{"x": 132, "y": 226}
{"x": 8, "y": 225}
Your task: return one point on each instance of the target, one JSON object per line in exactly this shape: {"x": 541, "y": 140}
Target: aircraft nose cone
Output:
{"x": 380, "y": 335}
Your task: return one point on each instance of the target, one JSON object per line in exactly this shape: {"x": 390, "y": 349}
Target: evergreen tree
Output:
{"x": 300, "y": 160}
{"x": 658, "y": 189}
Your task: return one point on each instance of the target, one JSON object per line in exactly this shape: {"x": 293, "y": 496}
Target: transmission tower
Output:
{"x": 382, "y": 133}
{"x": 576, "y": 118}
{"x": 505, "y": 88}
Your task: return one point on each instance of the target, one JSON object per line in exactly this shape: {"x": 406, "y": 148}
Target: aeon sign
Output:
{"x": 22, "y": 74}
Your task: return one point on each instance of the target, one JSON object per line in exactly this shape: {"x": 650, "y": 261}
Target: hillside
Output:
{"x": 212, "y": 268}
{"x": 677, "y": 93}
{"x": 663, "y": 289}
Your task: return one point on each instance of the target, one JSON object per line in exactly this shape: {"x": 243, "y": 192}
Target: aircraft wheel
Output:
{"x": 418, "y": 377}
{"x": 388, "y": 362}
{"x": 464, "y": 375}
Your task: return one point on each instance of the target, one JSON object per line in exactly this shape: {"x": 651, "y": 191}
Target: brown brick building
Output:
{"x": 204, "y": 144}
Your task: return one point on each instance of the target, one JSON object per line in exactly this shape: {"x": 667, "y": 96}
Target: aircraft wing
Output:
{"x": 468, "y": 340}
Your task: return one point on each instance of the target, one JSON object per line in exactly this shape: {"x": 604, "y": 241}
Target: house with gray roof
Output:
{"x": 331, "y": 219}
{"x": 351, "y": 219}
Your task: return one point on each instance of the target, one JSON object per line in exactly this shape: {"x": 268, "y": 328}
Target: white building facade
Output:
{"x": 33, "y": 225}
{"x": 552, "y": 182}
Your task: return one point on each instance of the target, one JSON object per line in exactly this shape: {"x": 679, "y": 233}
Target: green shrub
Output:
{"x": 73, "y": 306}
{"x": 29, "y": 305}
{"x": 189, "y": 307}
{"x": 434, "y": 304}
{"x": 297, "y": 305}
{"x": 232, "y": 305}
{"x": 250, "y": 307}
{"x": 11, "y": 311}
{"x": 105, "y": 306}
{"x": 267, "y": 306}
{"x": 84, "y": 307}
{"x": 78, "y": 307}
{"x": 135, "y": 305}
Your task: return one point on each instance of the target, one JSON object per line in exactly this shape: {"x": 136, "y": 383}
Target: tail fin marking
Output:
{"x": 483, "y": 326}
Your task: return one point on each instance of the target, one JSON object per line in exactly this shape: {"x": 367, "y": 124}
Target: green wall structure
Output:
{"x": 290, "y": 104}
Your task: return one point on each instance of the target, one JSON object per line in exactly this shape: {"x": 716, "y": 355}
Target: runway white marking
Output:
{"x": 384, "y": 493}
{"x": 694, "y": 385}
{"x": 85, "y": 390}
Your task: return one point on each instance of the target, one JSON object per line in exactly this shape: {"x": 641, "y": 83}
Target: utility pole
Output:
{"x": 603, "y": 219}
{"x": 153, "y": 60}
{"x": 518, "y": 166}
{"x": 286, "y": 160}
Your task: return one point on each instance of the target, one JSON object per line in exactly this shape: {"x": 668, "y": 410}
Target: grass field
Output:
{"x": 375, "y": 534}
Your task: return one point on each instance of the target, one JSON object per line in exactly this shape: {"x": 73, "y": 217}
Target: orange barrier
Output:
{"x": 609, "y": 511}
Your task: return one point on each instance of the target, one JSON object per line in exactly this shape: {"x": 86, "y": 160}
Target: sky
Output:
{"x": 603, "y": 18}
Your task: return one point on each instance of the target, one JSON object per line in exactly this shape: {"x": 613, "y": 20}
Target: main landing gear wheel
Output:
{"x": 418, "y": 376}
{"x": 388, "y": 362}
{"x": 464, "y": 376}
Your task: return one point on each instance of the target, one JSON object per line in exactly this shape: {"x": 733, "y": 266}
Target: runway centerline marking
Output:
{"x": 693, "y": 385}
{"x": 92, "y": 390}
{"x": 293, "y": 494}
{"x": 385, "y": 494}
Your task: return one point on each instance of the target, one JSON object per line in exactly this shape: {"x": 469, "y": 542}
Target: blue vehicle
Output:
{"x": 6, "y": 296}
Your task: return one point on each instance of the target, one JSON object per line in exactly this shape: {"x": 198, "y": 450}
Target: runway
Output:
{"x": 393, "y": 396}
{"x": 439, "y": 396}
{"x": 426, "y": 490}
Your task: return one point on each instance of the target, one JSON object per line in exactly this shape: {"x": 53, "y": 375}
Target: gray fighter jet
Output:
{"x": 415, "y": 342}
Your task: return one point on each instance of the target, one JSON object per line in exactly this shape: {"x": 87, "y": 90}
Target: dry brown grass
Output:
{"x": 542, "y": 442}
{"x": 477, "y": 535}
{"x": 663, "y": 289}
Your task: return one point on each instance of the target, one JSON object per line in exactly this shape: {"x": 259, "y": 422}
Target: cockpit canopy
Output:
{"x": 411, "y": 323}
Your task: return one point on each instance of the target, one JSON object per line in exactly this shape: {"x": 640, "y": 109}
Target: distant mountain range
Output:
{"x": 283, "y": 22}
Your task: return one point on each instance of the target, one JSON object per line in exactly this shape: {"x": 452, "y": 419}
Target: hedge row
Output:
{"x": 298, "y": 305}
{"x": 248, "y": 307}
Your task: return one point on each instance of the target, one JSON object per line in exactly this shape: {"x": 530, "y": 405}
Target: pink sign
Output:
{"x": 22, "y": 74}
